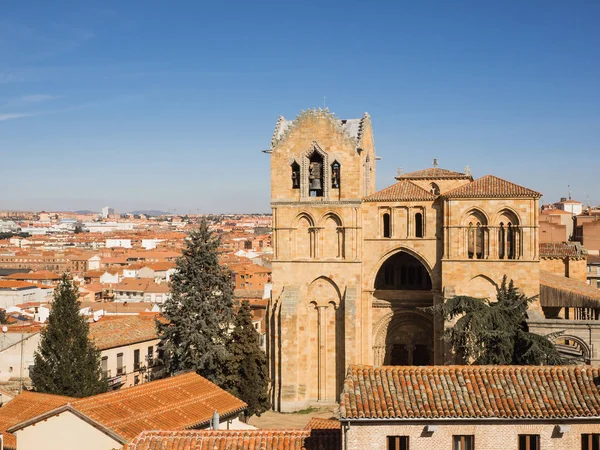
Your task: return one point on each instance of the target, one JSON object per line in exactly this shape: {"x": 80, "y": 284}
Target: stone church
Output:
{"x": 353, "y": 267}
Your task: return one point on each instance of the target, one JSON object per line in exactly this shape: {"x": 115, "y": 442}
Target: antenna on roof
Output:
{"x": 399, "y": 171}
{"x": 324, "y": 104}
{"x": 569, "y": 191}
{"x": 435, "y": 162}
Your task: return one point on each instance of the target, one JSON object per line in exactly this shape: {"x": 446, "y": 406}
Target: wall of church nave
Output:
{"x": 403, "y": 220}
{"x": 468, "y": 277}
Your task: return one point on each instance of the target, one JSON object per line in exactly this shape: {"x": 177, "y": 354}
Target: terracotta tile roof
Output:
{"x": 561, "y": 250}
{"x": 403, "y": 191}
{"x": 433, "y": 173}
{"x": 593, "y": 259}
{"x": 10, "y": 284}
{"x": 117, "y": 331}
{"x": 318, "y": 423}
{"x": 558, "y": 290}
{"x": 39, "y": 275}
{"x": 490, "y": 186}
{"x": 461, "y": 392}
{"x": 23, "y": 407}
{"x": 174, "y": 403}
{"x": 237, "y": 440}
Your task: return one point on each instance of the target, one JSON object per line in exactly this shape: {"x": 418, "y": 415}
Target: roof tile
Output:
{"x": 490, "y": 186}
{"x": 403, "y": 191}
{"x": 433, "y": 173}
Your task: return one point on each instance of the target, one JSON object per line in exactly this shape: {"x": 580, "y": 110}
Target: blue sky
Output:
{"x": 167, "y": 105}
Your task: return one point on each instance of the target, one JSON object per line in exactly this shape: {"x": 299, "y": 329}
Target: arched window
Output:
{"x": 315, "y": 175}
{"x": 419, "y": 225}
{"x": 295, "y": 175}
{"x": 386, "y": 226}
{"x": 509, "y": 237}
{"x": 335, "y": 175}
{"x": 434, "y": 189}
{"x": 477, "y": 236}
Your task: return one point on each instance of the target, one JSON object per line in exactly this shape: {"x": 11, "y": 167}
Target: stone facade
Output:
{"x": 352, "y": 268}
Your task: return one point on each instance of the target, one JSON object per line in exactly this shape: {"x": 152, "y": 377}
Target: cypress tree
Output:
{"x": 66, "y": 361}
{"x": 496, "y": 332}
{"x": 248, "y": 372}
{"x": 199, "y": 312}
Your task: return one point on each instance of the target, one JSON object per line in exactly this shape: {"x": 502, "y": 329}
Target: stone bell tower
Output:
{"x": 321, "y": 167}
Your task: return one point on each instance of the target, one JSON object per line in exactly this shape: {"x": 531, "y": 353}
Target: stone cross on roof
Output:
{"x": 435, "y": 162}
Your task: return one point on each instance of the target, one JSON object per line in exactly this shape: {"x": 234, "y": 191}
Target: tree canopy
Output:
{"x": 66, "y": 361}
{"x": 247, "y": 371}
{"x": 198, "y": 314}
{"x": 496, "y": 332}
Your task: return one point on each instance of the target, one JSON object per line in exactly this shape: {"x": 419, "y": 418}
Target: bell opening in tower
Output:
{"x": 315, "y": 175}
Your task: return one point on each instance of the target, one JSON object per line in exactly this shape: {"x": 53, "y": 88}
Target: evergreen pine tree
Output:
{"x": 247, "y": 371}
{"x": 199, "y": 312}
{"x": 496, "y": 332}
{"x": 66, "y": 361}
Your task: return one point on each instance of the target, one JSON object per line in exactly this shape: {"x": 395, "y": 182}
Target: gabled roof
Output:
{"x": 23, "y": 407}
{"x": 469, "y": 392}
{"x": 174, "y": 403}
{"x": 238, "y": 440}
{"x": 490, "y": 186}
{"x": 434, "y": 173}
{"x": 403, "y": 191}
{"x": 118, "y": 331}
{"x": 353, "y": 128}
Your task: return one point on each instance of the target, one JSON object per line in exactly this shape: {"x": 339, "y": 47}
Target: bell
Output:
{"x": 315, "y": 184}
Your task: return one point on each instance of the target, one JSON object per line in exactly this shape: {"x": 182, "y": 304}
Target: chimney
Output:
{"x": 215, "y": 421}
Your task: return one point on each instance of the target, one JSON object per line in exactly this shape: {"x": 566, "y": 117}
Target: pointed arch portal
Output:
{"x": 404, "y": 336}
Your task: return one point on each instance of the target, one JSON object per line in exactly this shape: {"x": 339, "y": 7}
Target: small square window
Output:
{"x": 463, "y": 442}
{"x": 529, "y": 442}
{"x": 397, "y": 443}
{"x": 590, "y": 442}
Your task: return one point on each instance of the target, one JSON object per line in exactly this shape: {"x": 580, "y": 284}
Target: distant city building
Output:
{"x": 106, "y": 212}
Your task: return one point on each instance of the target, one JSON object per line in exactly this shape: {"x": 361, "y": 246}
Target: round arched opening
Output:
{"x": 403, "y": 271}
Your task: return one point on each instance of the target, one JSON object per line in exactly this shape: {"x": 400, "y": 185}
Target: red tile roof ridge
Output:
{"x": 320, "y": 423}
{"x": 433, "y": 173}
{"x": 403, "y": 190}
{"x": 272, "y": 439}
{"x": 491, "y": 186}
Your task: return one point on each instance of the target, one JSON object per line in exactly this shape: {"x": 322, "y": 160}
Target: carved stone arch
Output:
{"x": 508, "y": 213}
{"x": 389, "y": 254}
{"x": 404, "y": 331}
{"x": 331, "y": 215}
{"x": 304, "y": 215}
{"x": 476, "y": 213}
{"x": 331, "y": 236}
{"x": 303, "y": 236}
{"x": 304, "y": 170}
{"x": 482, "y": 286}
{"x": 573, "y": 346}
{"x": 323, "y": 291}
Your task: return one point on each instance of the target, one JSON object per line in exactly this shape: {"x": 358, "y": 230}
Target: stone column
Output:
{"x": 322, "y": 321}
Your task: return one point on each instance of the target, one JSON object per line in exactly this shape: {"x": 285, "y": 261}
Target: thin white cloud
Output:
{"x": 4, "y": 117}
{"x": 38, "y": 98}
